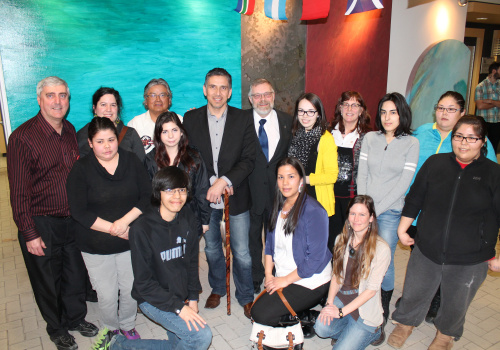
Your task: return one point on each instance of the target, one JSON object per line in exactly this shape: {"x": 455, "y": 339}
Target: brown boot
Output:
{"x": 441, "y": 342}
{"x": 399, "y": 335}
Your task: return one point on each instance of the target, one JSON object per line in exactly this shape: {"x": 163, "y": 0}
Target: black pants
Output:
{"x": 58, "y": 278}
{"x": 269, "y": 308}
{"x": 337, "y": 221}
{"x": 255, "y": 243}
{"x": 493, "y": 134}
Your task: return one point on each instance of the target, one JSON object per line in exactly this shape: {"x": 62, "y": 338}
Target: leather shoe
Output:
{"x": 213, "y": 301}
{"x": 308, "y": 331}
{"x": 246, "y": 310}
{"x": 256, "y": 287}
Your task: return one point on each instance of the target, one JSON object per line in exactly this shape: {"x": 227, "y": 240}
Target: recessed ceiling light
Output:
{"x": 482, "y": 18}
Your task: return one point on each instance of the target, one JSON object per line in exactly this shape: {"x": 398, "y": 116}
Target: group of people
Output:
{"x": 125, "y": 206}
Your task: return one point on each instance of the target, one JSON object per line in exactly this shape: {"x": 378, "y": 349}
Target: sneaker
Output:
{"x": 86, "y": 329}
{"x": 116, "y": 332}
{"x": 64, "y": 342}
{"x": 103, "y": 340}
{"x": 131, "y": 334}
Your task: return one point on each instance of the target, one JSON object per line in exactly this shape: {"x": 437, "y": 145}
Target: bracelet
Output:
{"x": 341, "y": 314}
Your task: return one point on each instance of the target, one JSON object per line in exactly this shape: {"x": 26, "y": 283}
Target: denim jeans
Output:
{"x": 388, "y": 223}
{"x": 350, "y": 334}
{"x": 179, "y": 336}
{"x": 242, "y": 262}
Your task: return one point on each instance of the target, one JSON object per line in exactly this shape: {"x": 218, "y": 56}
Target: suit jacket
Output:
{"x": 237, "y": 153}
{"x": 263, "y": 177}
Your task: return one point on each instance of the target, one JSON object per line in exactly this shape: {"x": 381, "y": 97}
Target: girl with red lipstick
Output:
{"x": 172, "y": 149}
{"x": 107, "y": 190}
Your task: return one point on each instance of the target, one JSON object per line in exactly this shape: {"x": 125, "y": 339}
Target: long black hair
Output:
{"x": 404, "y": 112}
{"x": 279, "y": 199}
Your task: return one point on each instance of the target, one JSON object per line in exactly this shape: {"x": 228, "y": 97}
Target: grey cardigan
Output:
{"x": 386, "y": 170}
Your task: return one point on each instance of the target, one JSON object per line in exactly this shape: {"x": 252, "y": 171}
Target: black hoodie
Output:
{"x": 165, "y": 259}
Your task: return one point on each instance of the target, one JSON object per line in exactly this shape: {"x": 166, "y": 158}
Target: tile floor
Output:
{"x": 22, "y": 327}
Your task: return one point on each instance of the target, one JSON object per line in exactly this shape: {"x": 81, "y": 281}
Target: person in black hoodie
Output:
{"x": 164, "y": 245}
{"x": 458, "y": 198}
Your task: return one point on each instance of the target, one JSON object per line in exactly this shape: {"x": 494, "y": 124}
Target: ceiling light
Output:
{"x": 462, "y": 2}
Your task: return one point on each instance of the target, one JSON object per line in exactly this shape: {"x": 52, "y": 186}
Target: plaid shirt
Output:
{"x": 488, "y": 91}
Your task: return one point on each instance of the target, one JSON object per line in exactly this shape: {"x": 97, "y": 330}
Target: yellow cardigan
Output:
{"x": 326, "y": 172}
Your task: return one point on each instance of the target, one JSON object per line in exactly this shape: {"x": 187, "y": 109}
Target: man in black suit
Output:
{"x": 273, "y": 129}
{"x": 225, "y": 137}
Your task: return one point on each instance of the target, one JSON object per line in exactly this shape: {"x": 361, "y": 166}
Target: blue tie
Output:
{"x": 263, "y": 138}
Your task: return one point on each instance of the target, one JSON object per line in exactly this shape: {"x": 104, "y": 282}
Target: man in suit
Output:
{"x": 225, "y": 137}
{"x": 273, "y": 129}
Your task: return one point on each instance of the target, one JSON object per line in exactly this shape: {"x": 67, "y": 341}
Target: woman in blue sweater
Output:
{"x": 386, "y": 167}
{"x": 296, "y": 246}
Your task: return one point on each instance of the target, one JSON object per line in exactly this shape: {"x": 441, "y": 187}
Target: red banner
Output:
{"x": 315, "y": 9}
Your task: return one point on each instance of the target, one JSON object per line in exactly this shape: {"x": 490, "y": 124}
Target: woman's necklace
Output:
{"x": 352, "y": 250}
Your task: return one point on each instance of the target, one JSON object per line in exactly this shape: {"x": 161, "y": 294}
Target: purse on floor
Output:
{"x": 274, "y": 338}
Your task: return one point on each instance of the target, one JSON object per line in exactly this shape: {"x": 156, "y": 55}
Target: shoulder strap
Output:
{"x": 122, "y": 134}
{"x": 283, "y": 299}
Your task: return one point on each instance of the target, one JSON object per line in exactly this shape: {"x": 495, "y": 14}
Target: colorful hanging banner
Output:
{"x": 357, "y": 6}
{"x": 275, "y": 9}
{"x": 245, "y": 7}
{"x": 314, "y": 9}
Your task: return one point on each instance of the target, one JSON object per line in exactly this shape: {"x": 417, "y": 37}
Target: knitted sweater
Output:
{"x": 386, "y": 170}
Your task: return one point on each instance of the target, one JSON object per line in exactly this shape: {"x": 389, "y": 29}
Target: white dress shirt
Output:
{"x": 272, "y": 129}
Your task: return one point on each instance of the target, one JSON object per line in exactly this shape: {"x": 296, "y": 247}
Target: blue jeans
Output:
{"x": 242, "y": 262}
{"x": 350, "y": 334}
{"x": 179, "y": 336}
{"x": 388, "y": 223}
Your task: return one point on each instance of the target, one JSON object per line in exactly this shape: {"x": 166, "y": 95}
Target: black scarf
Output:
{"x": 302, "y": 142}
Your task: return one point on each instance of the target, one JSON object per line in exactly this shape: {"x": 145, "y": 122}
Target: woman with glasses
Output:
{"x": 107, "y": 102}
{"x": 349, "y": 127}
{"x": 172, "y": 149}
{"x": 435, "y": 138}
{"x": 107, "y": 190}
{"x": 315, "y": 148}
{"x": 387, "y": 164}
{"x": 456, "y": 197}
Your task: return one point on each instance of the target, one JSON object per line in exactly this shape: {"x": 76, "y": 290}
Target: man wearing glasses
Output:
{"x": 157, "y": 99}
{"x": 273, "y": 129}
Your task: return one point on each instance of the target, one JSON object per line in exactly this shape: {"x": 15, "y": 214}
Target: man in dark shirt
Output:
{"x": 40, "y": 155}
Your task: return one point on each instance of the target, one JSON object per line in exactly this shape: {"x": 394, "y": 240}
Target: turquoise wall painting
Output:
{"x": 444, "y": 67}
{"x": 116, "y": 43}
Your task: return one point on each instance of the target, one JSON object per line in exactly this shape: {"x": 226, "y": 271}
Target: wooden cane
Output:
{"x": 228, "y": 251}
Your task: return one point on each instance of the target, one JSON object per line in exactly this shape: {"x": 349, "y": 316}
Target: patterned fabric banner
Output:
{"x": 357, "y": 6}
{"x": 245, "y": 7}
{"x": 314, "y": 9}
{"x": 275, "y": 9}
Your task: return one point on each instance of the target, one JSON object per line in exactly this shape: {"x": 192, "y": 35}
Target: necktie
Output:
{"x": 263, "y": 138}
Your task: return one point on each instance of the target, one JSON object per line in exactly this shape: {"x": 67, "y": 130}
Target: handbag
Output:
{"x": 270, "y": 338}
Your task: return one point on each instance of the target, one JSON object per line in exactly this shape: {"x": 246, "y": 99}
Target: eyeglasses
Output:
{"x": 310, "y": 113}
{"x": 353, "y": 106}
{"x": 268, "y": 94}
{"x": 469, "y": 139}
{"x": 172, "y": 191}
{"x": 162, "y": 96}
{"x": 449, "y": 110}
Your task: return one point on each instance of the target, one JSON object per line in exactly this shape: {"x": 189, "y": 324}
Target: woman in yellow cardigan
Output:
{"x": 316, "y": 149}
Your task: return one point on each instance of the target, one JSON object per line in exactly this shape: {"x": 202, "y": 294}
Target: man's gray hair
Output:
{"x": 154, "y": 82}
{"x": 259, "y": 82}
{"x": 50, "y": 81}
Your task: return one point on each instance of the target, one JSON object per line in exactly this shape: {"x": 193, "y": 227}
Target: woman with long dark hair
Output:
{"x": 353, "y": 314}
{"x": 172, "y": 149}
{"x": 349, "y": 126}
{"x": 107, "y": 190}
{"x": 387, "y": 164}
{"x": 314, "y": 146}
{"x": 456, "y": 197}
{"x": 296, "y": 247}
{"x": 107, "y": 102}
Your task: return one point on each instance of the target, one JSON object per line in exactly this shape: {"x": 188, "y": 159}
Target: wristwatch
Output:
{"x": 341, "y": 314}
{"x": 178, "y": 312}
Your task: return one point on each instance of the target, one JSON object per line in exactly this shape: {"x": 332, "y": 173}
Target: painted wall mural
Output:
{"x": 443, "y": 67}
{"x": 121, "y": 44}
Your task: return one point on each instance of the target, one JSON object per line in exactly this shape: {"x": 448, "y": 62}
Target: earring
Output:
{"x": 301, "y": 187}
{"x": 369, "y": 227}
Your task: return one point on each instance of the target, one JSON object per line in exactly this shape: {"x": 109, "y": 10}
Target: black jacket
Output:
{"x": 165, "y": 259}
{"x": 459, "y": 209}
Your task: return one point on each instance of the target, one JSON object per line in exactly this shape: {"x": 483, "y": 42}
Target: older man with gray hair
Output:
{"x": 40, "y": 155}
{"x": 157, "y": 99}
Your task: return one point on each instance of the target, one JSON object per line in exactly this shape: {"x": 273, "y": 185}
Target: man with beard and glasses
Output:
{"x": 488, "y": 103}
{"x": 273, "y": 130}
